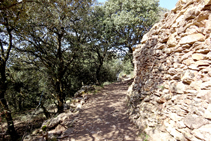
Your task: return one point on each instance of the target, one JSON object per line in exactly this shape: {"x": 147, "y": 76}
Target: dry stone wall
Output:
{"x": 170, "y": 98}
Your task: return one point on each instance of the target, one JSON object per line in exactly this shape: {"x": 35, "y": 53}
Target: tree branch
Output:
{"x": 2, "y": 50}
{"x": 10, "y": 43}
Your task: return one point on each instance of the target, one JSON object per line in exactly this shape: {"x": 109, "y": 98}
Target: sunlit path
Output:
{"x": 104, "y": 117}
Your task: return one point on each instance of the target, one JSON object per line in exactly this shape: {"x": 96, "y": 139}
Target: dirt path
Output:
{"x": 104, "y": 118}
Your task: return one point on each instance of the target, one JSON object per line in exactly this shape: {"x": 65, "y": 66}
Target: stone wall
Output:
{"x": 170, "y": 98}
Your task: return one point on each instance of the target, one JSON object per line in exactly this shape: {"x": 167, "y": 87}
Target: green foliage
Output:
{"x": 53, "y": 139}
{"x": 161, "y": 87}
{"x": 128, "y": 20}
{"x": 110, "y": 70}
{"x": 144, "y": 136}
{"x": 106, "y": 83}
{"x": 44, "y": 128}
{"x": 127, "y": 67}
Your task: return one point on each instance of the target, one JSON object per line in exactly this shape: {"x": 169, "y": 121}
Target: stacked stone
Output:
{"x": 170, "y": 97}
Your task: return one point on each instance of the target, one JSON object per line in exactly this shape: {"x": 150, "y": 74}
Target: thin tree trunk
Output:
{"x": 59, "y": 84}
{"x": 60, "y": 99}
{"x": 100, "y": 59}
{"x": 47, "y": 114}
{"x": 3, "y": 87}
{"x": 20, "y": 103}
{"x": 98, "y": 73}
{"x": 131, "y": 55}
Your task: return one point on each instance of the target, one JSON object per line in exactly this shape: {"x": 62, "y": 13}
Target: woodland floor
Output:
{"x": 104, "y": 118}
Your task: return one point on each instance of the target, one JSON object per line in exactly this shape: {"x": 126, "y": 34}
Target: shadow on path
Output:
{"x": 104, "y": 118}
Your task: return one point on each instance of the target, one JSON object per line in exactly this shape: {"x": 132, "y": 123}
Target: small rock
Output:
{"x": 172, "y": 71}
{"x": 161, "y": 100}
{"x": 204, "y": 51}
{"x": 160, "y": 46}
{"x": 203, "y": 132}
{"x": 193, "y": 67}
{"x": 82, "y": 102}
{"x": 203, "y": 93}
{"x": 208, "y": 112}
{"x": 188, "y": 77}
{"x": 35, "y": 132}
{"x": 177, "y": 135}
{"x": 144, "y": 39}
{"x": 207, "y": 2}
{"x": 196, "y": 85}
{"x": 197, "y": 57}
{"x": 175, "y": 117}
{"x": 78, "y": 108}
{"x": 180, "y": 124}
{"x": 176, "y": 77}
{"x": 179, "y": 88}
{"x": 172, "y": 41}
{"x": 28, "y": 138}
{"x": 202, "y": 63}
{"x": 68, "y": 101}
{"x": 194, "y": 121}
{"x": 190, "y": 39}
{"x": 206, "y": 85}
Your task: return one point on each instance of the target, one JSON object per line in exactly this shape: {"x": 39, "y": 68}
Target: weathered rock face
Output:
{"x": 170, "y": 97}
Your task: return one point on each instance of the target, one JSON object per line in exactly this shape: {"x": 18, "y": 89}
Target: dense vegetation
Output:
{"x": 50, "y": 47}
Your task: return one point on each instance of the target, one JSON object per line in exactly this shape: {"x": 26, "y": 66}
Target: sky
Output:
{"x": 169, "y": 4}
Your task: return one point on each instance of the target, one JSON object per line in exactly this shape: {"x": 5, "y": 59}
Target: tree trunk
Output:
{"x": 98, "y": 73}
{"x": 59, "y": 84}
{"x": 60, "y": 99}
{"x": 19, "y": 104}
{"x": 3, "y": 87}
{"x": 60, "y": 107}
{"x": 131, "y": 55}
{"x": 10, "y": 125}
{"x": 47, "y": 114}
{"x": 100, "y": 59}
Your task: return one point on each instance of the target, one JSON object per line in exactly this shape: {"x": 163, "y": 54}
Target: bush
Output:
{"x": 127, "y": 67}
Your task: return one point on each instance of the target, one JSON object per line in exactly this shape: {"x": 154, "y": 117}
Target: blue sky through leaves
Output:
{"x": 169, "y": 4}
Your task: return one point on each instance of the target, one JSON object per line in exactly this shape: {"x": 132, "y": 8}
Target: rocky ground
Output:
{"x": 103, "y": 117}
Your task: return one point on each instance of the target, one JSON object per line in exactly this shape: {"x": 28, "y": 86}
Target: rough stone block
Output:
{"x": 194, "y": 121}
{"x": 190, "y": 39}
{"x": 188, "y": 77}
{"x": 203, "y": 133}
{"x": 198, "y": 57}
{"x": 172, "y": 41}
{"x": 144, "y": 39}
{"x": 207, "y": 2}
{"x": 208, "y": 112}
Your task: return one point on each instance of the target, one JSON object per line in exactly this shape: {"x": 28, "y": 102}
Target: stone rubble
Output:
{"x": 84, "y": 89}
{"x": 61, "y": 125}
{"x": 170, "y": 98}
